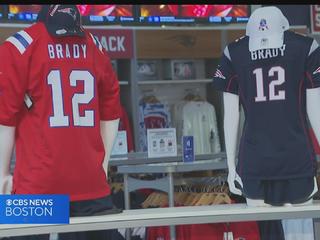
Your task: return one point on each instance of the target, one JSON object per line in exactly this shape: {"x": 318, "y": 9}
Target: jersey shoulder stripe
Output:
{"x": 96, "y": 42}
{"x": 227, "y": 53}
{"x": 21, "y": 40}
{"x": 313, "y": 47}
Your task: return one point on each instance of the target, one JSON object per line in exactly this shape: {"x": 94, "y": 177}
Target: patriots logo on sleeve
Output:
{"x": 219, "y": 74}
{"x": 316, "y": 71}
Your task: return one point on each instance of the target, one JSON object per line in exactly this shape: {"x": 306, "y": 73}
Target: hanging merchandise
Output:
{"x": 199, "y": 121}
{"x": 212, "y": 191}
{"x": 195, "y": 117}
{"x": 152, "y": 114}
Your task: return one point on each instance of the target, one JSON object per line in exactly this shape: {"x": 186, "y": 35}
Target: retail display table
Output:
{"x": 165, "y": 217}
{"x": 165, "y": 183}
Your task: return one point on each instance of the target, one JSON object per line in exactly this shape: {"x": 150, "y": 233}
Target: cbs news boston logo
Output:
{"x": 47, "y": 209}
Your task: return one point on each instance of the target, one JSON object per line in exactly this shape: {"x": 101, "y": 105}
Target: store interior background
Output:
{"x": 159, "y": 47}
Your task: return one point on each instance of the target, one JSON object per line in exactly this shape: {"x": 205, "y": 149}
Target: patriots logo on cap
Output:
{"x": 69, "y": 11}
{"x": 219, "y": 74}
{"x": 316, "y": 71}
{"x": 263, "y": 25}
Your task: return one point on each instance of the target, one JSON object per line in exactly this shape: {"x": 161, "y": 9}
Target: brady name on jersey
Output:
{"x": 268, "y": 53}
{"x": 67, "y": 51}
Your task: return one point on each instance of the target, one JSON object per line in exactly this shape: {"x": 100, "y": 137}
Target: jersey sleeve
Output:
{"x": 225, "y": 78}
{"x": 109, "y": 91}
{"x": 13, "y": 84}
{"x": 313, "y": 66}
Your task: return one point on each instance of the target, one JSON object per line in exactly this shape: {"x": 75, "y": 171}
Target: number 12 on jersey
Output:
{"x": 59, "y": 119}
{"x": 274, "y": 71}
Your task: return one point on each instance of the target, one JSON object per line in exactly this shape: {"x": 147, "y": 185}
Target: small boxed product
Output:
{"x": 147, "y": 70}
{"x": 179, "y": 69}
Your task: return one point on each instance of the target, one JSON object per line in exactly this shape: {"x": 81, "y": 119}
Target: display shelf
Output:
{"x": 166, "y": 183}
{"x": 142, "y": 158}
{"x": 175, "y": 167}
{"x": 165, "y": 217}
{"x": 191, "y": 81}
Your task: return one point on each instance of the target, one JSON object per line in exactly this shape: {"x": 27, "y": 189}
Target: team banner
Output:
{"x": 29, "y": 209}
{"x": 315, "y": 19}
{"x": 117, "y": 42}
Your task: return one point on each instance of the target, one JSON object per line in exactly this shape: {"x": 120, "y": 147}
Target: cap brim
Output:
{"x": 264, "y": 42}
{"x": 59, "y": 31}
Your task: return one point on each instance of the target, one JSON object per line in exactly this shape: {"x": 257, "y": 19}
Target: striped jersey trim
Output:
{"x": 96, "y": 42}
{"x": 227, "y": 53}
{"x": 313, "y": 47}
{"x": 21, "y": 40}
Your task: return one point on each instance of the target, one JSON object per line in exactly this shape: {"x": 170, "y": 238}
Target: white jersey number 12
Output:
{"x": 59, "y": 119}
{"x": 274, "y": 71}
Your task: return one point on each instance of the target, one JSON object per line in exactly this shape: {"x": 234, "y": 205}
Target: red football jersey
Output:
{"x": 245, "y": 230}
{"x": 55, "y": 90}
{"x": 205, "y": 231}
{"x": 211, "y": 231}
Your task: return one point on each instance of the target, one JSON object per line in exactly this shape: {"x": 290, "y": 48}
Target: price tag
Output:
{"x": 188, "y": 149}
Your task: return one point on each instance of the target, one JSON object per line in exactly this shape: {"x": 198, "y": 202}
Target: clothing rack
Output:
{"x": 218, "y": 180}
{"x": 166, "y": 183}
{"x": 211, "y": 192}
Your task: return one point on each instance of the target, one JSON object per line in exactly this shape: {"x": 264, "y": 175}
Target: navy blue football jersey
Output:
{"x": 271, "y": 84}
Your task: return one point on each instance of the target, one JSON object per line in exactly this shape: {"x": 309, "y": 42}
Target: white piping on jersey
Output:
{"x": 18, "y": 43}
{"x": 226, "y": 53}
{"x": 313, "y": 47}
{"x": 96, "y": 42}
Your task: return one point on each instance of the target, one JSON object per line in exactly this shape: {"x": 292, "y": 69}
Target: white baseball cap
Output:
{"x": 265, "y": 28}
